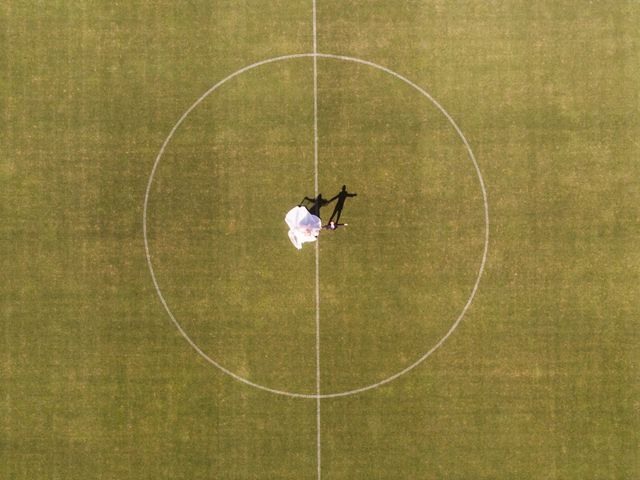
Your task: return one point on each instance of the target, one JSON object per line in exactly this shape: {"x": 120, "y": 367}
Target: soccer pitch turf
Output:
{"x": 477, "y": 319}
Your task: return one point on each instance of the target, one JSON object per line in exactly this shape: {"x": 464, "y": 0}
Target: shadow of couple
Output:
{"x": 315, "y": 204}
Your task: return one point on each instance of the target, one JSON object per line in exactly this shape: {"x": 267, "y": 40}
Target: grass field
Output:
{"x": 538, "y": 379}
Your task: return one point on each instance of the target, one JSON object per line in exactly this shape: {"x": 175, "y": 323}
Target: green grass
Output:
{"x": 540, "y": 379}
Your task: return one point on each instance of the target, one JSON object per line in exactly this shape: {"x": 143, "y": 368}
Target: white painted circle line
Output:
{"x": 401, "y": 372}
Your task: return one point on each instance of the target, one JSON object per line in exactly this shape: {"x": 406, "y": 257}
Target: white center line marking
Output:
{"x": 315, "y": 178}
